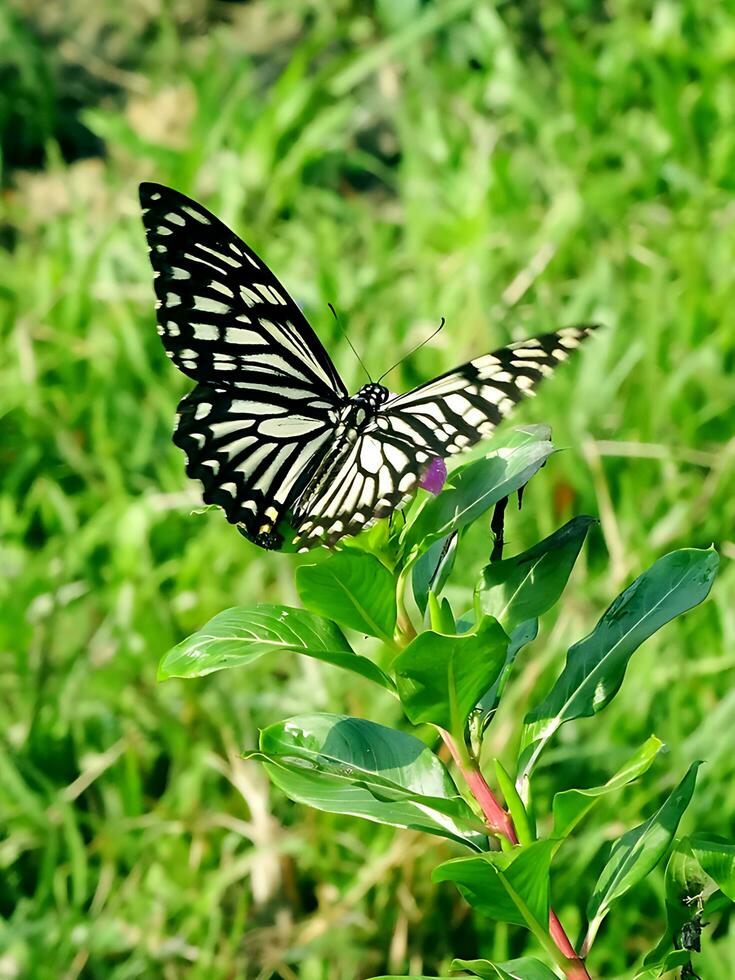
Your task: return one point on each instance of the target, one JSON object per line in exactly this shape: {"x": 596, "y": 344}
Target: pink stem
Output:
{"x": 499, "y": 821}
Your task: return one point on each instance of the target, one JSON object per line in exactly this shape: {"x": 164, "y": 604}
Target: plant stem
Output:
{"x": 500, "y": 822}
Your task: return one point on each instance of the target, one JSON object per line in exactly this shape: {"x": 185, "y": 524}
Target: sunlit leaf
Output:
{"x": 508, "y": 886}
{"x": 684, "y": 880}
{"x": 349, "y": 765}
{"x": 717, "y": 858}
{"x": 571, "y": 805}
{"x": 475, "y": 487}
{"x": 595, "y": 666}
{"x": 239, "y": 636}
{"x": 671, "y": 961}
{"x": 525, "y": 968}
{"x": 524, "y": 587}
{"x": 638, "y": 852}
{"x": 352, "y": 588}
{"x": 521, "y": 636}
{"x": 440, "y": 678}
{"x": 433, "y": 569}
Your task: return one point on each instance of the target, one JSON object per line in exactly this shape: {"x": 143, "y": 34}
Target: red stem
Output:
{"x": 499, "y": 821}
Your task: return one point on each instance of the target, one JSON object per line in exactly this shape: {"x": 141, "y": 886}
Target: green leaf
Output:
{"x": 571, "y": 805}
{"x": 717, "y": 859}
{"x": 239, "y": 636}
{"x": 524, "y": 587}
{"x": 488, "y": 704}
{"x": 671, "y": 961}
{"x": 433, "y": 568}
{"x": 474, "y": 488}
{"x": 440, "y": 678}
{"x": 595, "y": 666}
{"x": 684, "y": 880}
{"x": 354, "y": 589}
{"x": 508, "y": 886}
{"x": 525, "y": 968}
{"x": 638, "y": 852}
{"x": 349, "y": 765}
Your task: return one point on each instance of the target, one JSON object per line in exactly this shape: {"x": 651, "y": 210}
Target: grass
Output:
{"x": 509, "y": 167}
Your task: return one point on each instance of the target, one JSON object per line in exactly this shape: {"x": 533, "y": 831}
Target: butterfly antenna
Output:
{"x": 417, "y": 347}
{"x": 352, "y": 348}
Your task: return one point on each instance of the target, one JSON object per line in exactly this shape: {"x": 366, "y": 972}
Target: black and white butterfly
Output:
{"x": 270, "y": 429}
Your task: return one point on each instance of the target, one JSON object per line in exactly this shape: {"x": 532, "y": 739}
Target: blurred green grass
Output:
{"x": 511, "y": 167}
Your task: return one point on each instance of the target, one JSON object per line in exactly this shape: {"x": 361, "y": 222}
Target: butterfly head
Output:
{"x": 372, "y": 395}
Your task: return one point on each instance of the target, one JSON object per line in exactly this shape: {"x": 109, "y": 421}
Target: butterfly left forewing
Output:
{"x": 261, "y": 417}
{"x": 222, "y": 313}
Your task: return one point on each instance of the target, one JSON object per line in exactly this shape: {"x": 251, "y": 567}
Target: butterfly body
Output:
{"x": 269, "y": 429}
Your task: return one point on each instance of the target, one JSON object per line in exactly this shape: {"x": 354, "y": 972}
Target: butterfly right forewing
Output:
{"x": 463, "y": 406}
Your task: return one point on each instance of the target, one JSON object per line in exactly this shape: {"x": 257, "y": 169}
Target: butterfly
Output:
{"x": 270, "y": 429}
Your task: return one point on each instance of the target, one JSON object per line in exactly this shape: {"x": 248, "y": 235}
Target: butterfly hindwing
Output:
{"x": 252, "y": 451}
{"x": 371, "y": 479}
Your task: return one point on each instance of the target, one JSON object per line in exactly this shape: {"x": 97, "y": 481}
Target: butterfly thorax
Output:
{"x": 360, "y": 409}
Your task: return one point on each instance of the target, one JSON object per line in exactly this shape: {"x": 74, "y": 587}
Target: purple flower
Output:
{"x": 435, "y": 476}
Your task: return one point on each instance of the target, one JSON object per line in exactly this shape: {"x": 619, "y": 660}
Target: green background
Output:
{"x": 509, "y": 166}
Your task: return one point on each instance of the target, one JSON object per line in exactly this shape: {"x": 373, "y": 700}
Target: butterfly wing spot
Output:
{"x": 227, "y": 259}
{"x": 155, "y": 196}
{"x": 175, "y": 219}
{"x": 205, "y": 331}
{"x": 221, "y": 288}
{"x": 195, "y": 214}
{"x": 207, "y": 305}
